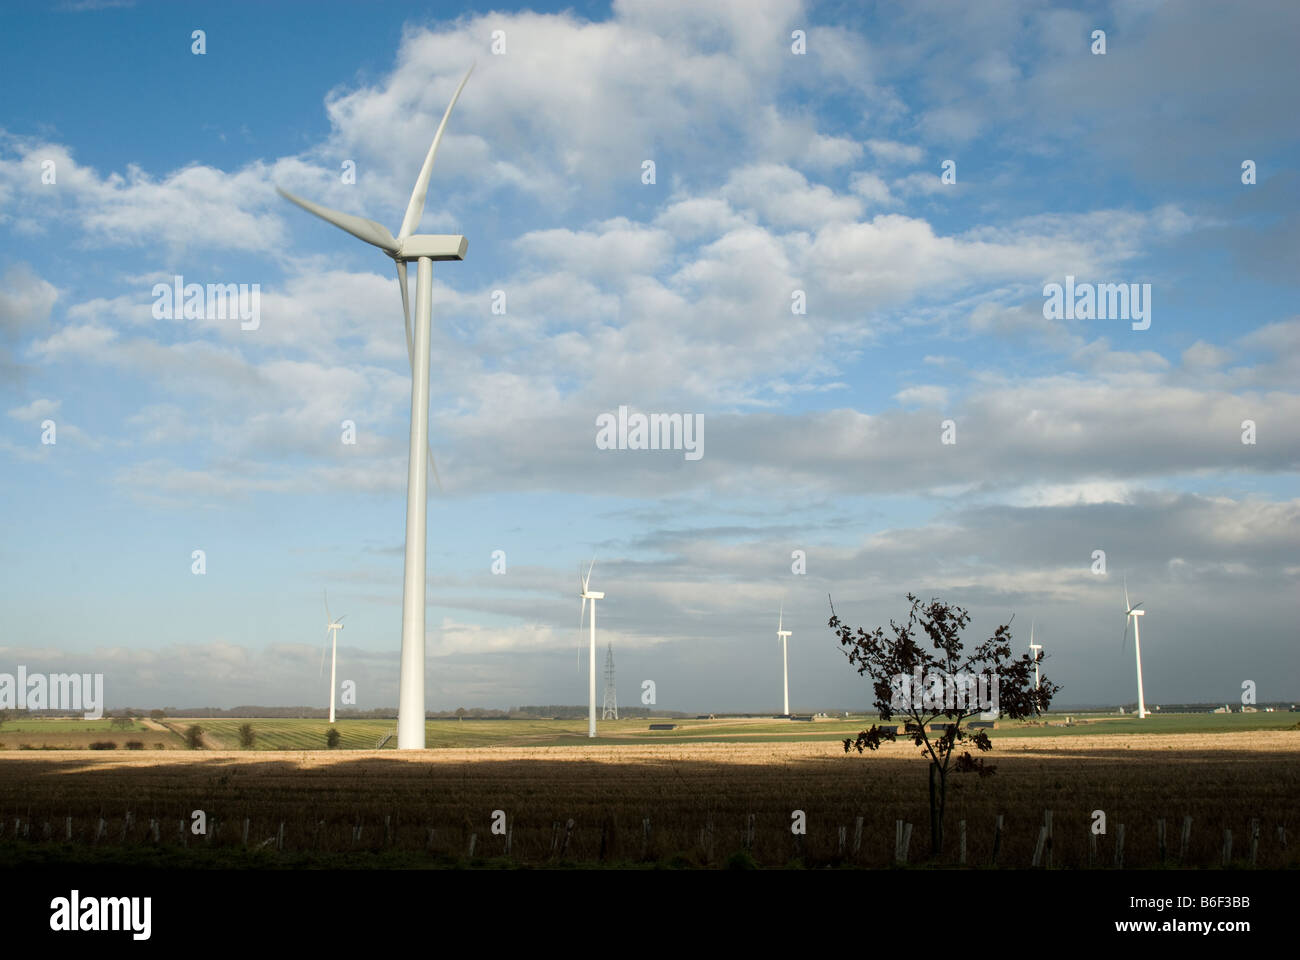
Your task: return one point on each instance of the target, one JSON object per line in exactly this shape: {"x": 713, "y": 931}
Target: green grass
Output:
{"x": 295, "y": 734}
{"x": 64, "y": 725}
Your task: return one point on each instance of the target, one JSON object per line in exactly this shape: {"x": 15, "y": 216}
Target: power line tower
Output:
{"x": 610, "y": 709}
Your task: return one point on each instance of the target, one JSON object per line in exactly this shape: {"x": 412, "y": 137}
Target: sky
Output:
{"x": 842, "y": 260}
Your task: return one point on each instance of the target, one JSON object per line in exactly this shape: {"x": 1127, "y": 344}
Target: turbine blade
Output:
{"x": 434, "y": 468}
{"x": 582, "y": 618}
{"x": 415, "y": 209}
{"x": 340, "y": 619}
{"x": 406, "y": 311}
{"x": 586, "y": 583}
{"x": 328, "y": 618}
{"x": 368, "y": 230}
{"x": 1127, "y": 605}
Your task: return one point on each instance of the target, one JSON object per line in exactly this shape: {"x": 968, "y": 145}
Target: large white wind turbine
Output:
{"x": 332, "y": 628}
{"x": 782, "y": 637}
{"x": 423, "y": 249}
{"x": 586, "y": 593}
{"x": 1132, "y": 611}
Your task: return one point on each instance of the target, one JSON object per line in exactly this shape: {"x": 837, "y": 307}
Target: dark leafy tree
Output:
{"x": 332, "y": 737}
{"x": 246, "y": 736}
{"x": 194, "y": 737}
{"x": 891, "y": 661}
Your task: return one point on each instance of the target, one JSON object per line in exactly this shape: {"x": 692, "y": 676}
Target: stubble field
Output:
{"x": 364, "y": 808}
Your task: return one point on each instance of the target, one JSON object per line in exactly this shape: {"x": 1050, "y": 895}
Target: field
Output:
{"x": 368, "y": 807}
{"x": 295, "y": 734}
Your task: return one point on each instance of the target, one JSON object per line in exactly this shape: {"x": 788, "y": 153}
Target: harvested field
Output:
{"x": 697, "y": 797}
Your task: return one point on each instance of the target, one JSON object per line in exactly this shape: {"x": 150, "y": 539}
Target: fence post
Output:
{"x": 997, "y": 840}
{"x": 1119, "y": 846}
{"x": 1227, "y": 846}
{"x": 961, "y": 842}
{"x": 1186, "y": 839}
{"x": 1047, "y": 822}
{"x": 857, "y": 835}
{"x": 1254, "y": 839}
{"x": 1160, "y": 838}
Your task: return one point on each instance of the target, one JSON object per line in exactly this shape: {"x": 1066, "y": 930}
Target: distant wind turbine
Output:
{"x": 782, "y": 637}
{"x": 586, "y": 593}
{"x": 1132, "y": 611}
{"x": 332, "y": 628}
{"x": 1034, "y": 649}
{"x": 424, "y": 249}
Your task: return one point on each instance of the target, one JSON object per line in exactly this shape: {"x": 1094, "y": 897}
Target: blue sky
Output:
{"x": 775, "y": 172}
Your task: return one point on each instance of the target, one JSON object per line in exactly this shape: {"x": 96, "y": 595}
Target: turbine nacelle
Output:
{"x": 435, "y": 246}
{"x": 592, "y": 595}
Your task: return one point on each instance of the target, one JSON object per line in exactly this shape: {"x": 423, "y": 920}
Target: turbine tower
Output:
{"x": 782, "y": 636}
{"x": 609, "y": 711}
{"x": 332, "y": 628}
{"x": 586, "y": 594}
{"x": 1034, "y": 648}
{"x": 1132, "y": 611}
{"x": 423, "y": 249}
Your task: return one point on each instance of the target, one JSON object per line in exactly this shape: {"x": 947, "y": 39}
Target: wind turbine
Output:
{"x": 1131, "y": 610}
{"x": 1034, "y": 648}
{"x": 332, "y": 628}
{"x": 586, "y": 594}
{"x": 783, "y": 636}
{"x": 423, "y": 249}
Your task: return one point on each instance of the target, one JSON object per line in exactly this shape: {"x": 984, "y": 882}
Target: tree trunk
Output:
{"x": 938, "y": 798}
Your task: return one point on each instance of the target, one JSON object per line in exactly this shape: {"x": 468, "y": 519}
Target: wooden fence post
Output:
{"x": 997, "y": 840}
{"x": 961, "y": 842}
{"x": 1038, "y": 847}
{"x": 1160, "y": 838}
{"x": 857, "y": 835}
{"x": 1119, "y": 846}
{"x": 1254, "y": 839}
{"x": 1047, "y": 822}
{"x": 1186, "y": 839}
{"x": 1227, "y": 846}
